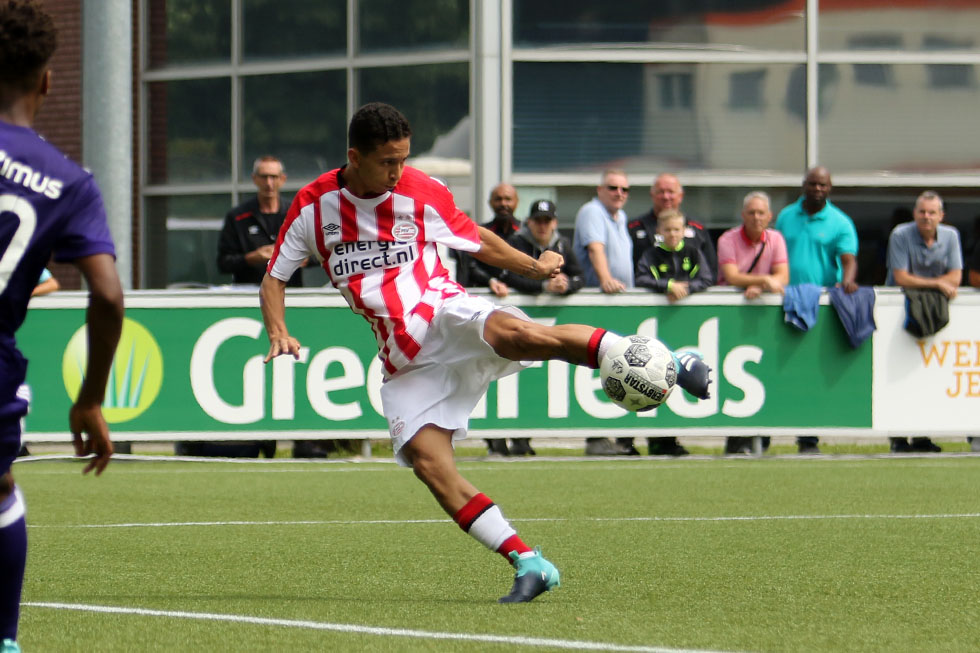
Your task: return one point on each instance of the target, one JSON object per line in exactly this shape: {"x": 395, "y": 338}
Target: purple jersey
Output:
{"x": 48, "y": 205}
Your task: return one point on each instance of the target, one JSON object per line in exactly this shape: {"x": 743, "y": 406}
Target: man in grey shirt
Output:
{"x": 602, "y": 242}
{"x": 924, "y": 254}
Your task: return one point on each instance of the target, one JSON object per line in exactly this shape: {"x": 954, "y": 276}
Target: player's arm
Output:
{"x": 103, "y": 326}
{"x": 495, "y": 251}
{"x": 272, "y": 300}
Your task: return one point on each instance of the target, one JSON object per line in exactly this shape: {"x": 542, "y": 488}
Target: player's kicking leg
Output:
{"x": 518, "y": 339}
{"x": 430, "y": 453}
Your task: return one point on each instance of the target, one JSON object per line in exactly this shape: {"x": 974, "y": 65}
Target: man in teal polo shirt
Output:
{"x": 820, "y": 238}
{"x": 822, "y": 245}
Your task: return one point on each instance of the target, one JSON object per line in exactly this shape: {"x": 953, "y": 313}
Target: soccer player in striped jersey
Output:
{"x": 374, "y": 225}
{"x": 48, "y": 204}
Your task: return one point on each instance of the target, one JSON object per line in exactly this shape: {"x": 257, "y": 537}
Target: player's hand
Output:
{"x": 280, "y": 345}
{"x": 753, "y": 292}
{"x": 88, "y": 420}
{"x": 549, "y": 265}
{"x": 498, "y": 288}
{"x": 849, "y": 286}
{"x": 612, "y": 286}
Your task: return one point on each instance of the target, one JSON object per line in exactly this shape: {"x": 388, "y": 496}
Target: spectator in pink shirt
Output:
{"x": 753, "y": 256}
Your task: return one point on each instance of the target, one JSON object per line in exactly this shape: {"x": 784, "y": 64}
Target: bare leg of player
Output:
{"x": 430, "y": 453}
{"x": 517, "y": 339}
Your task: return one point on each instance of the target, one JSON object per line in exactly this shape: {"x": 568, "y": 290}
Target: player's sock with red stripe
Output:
{"x": 599, "y": 343}
{"x": 482, "y": 519}
{"x": 13, "y": 556}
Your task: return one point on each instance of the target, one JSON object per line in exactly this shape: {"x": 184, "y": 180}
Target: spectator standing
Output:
{"x": 602, "y": 242}
{"x": 667, "y": 193}
{"x": 477, "y": 274}
{"x": 440, "y": 347}
{"x": 55, "y": 209}
{"x": 675, "y": 268}
{"x": 975, "y": 267}
{"x": 924, "y": 254}
{"x": 822, "y": 245}
{"x": 538, "y": 235}
{"x": 752, "y": 256}
{"x": 249, "y": 232}
{"x": 602, "y": 245}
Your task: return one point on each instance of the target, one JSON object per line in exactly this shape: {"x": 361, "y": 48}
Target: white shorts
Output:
{"x": 450, "y": 374}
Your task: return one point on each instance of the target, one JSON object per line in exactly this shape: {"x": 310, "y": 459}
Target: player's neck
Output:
{"x": 356, "y": 185}
{"x": 20, "y": 113}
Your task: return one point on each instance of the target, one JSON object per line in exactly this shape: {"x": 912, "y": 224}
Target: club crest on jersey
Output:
{"x": 404, "y": 230}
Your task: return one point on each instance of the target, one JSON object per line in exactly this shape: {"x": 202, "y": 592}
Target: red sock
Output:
{"x": 592, "y": 350}
{"x": 513, "y": 543}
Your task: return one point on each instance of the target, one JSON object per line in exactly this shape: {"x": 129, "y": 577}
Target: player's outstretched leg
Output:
{"x": 693, "y": 374}
{"x": 533, "y": 575}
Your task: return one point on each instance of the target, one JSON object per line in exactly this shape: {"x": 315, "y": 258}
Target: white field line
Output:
{"x": 540, "y": 463}
{"x": 368, "y": 522}
{"x": 567, "y": 644}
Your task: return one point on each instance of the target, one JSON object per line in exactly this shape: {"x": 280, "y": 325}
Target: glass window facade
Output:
{"x": 571, "y": 117}
{"x": 386, "y": 26}
{"x": 227, "y": 82}
{"x": 283, "y": 29}
{"x": 299, "y": 117}
{"x": 183, "y": 32}
{"x": 190, "y": 131}
{"x": 721, "y": 24}
{"x": 717, "y": 91}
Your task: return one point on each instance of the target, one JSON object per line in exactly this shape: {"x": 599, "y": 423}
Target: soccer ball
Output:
{"x": 638, "y": 373}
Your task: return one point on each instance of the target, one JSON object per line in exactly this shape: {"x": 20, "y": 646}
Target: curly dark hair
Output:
{"x": 28, "y": 38}
{"x": 375, "y": 124}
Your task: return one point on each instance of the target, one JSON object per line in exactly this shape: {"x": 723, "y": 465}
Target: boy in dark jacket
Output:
{"x": 676, "y": 268}
{"x": 538, "y": 234}
{"x": 672, "y": 266}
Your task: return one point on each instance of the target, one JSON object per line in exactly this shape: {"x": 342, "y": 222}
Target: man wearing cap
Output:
{"x": 540, "y": 233}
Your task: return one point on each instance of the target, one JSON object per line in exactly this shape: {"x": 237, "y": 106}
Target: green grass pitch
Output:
{"x": 779, "y": 554}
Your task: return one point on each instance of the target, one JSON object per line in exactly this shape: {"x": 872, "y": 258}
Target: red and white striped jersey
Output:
{"x": 380, "y": 252}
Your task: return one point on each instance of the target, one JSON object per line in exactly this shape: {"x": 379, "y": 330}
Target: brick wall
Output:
{"x": 60, "y": 118}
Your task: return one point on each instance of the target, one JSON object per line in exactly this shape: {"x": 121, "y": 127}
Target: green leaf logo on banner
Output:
{"x": 135, "y": 377}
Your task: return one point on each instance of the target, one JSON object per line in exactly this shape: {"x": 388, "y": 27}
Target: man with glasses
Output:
{"x": 602, "y": 242}
{"x": 250, "y": 229}
{"x": 603, "y": 247}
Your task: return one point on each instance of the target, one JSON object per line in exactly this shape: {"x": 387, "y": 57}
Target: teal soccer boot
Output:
{"x": 534, "y": 576}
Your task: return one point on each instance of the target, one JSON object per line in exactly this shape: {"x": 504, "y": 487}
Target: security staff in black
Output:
{"x": 250, "y": 229}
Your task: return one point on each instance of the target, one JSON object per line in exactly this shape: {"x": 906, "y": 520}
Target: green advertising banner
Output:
{"x": 194, "y": 365}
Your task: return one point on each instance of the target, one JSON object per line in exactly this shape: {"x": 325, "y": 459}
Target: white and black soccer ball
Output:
{"x": 638, "y": 373}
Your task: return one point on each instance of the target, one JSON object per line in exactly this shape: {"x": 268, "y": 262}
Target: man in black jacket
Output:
{"x": 250, "y": 229}
{"x": 540, "y": 233}
{"x": 667, "y": 193}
